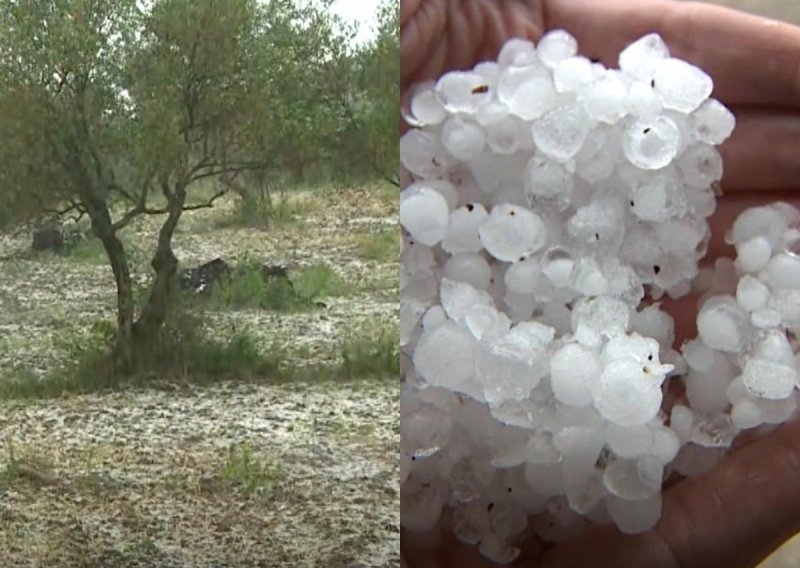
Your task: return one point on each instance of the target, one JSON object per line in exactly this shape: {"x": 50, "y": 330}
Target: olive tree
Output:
{"x": 370, "y": 96}
{"x": 109, "y": 106}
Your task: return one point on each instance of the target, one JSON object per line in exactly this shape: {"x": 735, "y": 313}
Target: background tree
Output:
{"x": 369, "y": 99}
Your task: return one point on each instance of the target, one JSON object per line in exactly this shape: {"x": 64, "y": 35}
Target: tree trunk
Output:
{"x": 165, "y": 263}
{"x": 125, "y": 310}
{"x": 103, "y": 230}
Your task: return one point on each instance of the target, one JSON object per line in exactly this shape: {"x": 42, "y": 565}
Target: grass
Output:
{"x": 180, "y": 355}
{"x": 183, "y": 356}
{"x": 248, "y": 289}
{"x": 90, "y": 251}
{"x": 244, "y": 469}
{"x": 266, "y": 212}
{"x": 82, "y": 247}
{"x": 317, "y": 282}
{"x": 372, "y": 352}
{"x": 90, "y": 476}
{"x": 347, "y": 431}
{"x": 383, "y": 246}
{"x": 26, "y": 466}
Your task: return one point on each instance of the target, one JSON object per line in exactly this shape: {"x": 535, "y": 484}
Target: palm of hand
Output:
{"x": 734, "y": 515}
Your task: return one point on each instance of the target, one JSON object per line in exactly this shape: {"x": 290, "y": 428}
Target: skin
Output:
{"x": 735, "y": 515}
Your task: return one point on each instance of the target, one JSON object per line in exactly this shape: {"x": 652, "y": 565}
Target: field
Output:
{"x": 292, "y": 466}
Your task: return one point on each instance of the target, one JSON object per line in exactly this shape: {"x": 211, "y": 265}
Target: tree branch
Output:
{"x": 139, "y": 208}
{"x": 244, "y": 166}
{"x": 73, "y": 206}
{"x": 136, "y": 211}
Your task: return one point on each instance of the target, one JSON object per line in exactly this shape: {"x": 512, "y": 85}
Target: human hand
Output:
{"x": 734, "y": 515}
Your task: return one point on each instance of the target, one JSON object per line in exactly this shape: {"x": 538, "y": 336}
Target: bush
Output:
{"x": 181, "y": 352}
{"x": 317, "y": 282}
{"x": 371, "y": 353}
{"x": 247, "y": 288}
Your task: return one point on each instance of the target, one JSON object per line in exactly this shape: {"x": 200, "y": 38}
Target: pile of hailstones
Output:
{"x": 549, "y": 194}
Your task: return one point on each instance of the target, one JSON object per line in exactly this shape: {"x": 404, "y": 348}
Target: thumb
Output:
{"x": 742, "y": 510}
{"x": 732, "y": 516}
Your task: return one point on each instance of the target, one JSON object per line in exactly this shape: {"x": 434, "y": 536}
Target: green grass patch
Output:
{"x": 318, "y": 282}
{"x": 81, "y": 246}
{"x": 181, "y": 354}
{"x": 26, "y": 465}
{"x": 246, "y": 470}
{"x": 247, "y": 288}
{"x": 373, "y": 352}
{"x": 382, "y": 246}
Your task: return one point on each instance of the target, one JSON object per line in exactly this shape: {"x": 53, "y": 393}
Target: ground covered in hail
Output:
{"x": 258, "y": 473}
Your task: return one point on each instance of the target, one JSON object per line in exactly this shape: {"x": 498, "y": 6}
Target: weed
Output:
{"x": 373, "y": 352}
{"x": 317, "y": 282}
{"x": 245, "y": 470}
{"x": 382, "y": 246}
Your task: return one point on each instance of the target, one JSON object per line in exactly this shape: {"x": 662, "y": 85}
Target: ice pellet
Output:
{"x": 751, "y": 293}
{"x": 651, "y": 144}
{"x": 627, "y": 395}
{"x": 682, "y": 86}
{"x": 572, "y": 73}
{"x": 512, "y": 233}
{"x": 463, "y": 139}
{"x": 462, "y": 229}
{"x": 426, "y": 107}
{"x": 723, "y": 324}
{"x": 424, "y": 214}
{"x": 561, "y": 132}
{"x": 573, "y": 371}
{"x": 462, "y": 92}
{"x": 713, "y": 122}
{"x": 444, "y": 356}
{"x": 556, "y": 46}
{"x": 639, "y": 59}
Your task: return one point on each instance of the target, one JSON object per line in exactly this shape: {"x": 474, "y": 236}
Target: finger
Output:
{"x": 407, "y": 9}
{"x": 422, "y": 550}
{"x": 763, "y": 152}
{"x": 732, "y": 516}
{"x": 442, "y": 35}
{"x": 420, "y": 34}
{"x": 441, "y": 549}
{"x": 736, "y": 514}
{"x": 753, "y": 60}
